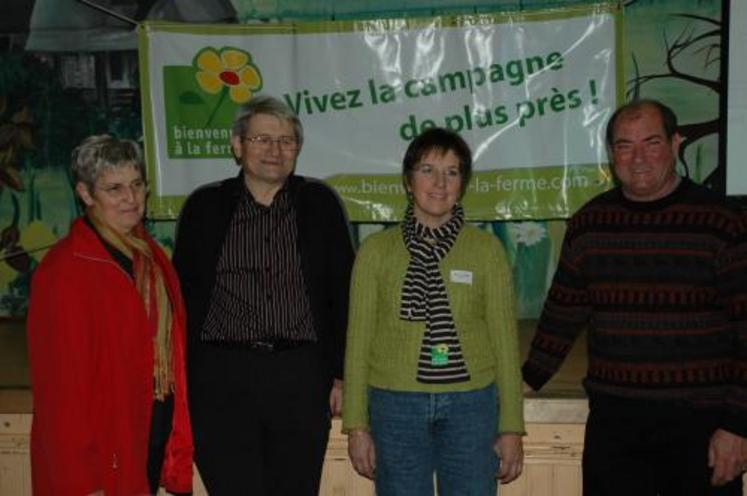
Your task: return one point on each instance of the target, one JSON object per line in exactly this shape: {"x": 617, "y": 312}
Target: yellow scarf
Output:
{"x": 149, "y": 282}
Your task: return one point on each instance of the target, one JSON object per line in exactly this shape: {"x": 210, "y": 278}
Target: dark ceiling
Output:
{"x": 16, "y": 15}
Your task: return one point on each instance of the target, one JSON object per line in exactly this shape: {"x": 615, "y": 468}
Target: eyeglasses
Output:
{"x": 427, "y": 170}
{"x": 263, "y": 141}
{"x": 121, "y": 191}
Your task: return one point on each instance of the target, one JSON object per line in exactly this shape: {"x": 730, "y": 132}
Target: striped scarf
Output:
{"x": 424, "y": 298}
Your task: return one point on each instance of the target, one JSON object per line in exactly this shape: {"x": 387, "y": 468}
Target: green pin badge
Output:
{"x": 440, "y": 355}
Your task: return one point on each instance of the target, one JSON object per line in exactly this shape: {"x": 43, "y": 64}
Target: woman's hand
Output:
{"x": 510, "y": 450}
{"x": 362, "y": 452}
{"x": 335, "y": 398}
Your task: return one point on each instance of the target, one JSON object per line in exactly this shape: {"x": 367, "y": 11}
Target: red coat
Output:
{"x": 91, "y": 353}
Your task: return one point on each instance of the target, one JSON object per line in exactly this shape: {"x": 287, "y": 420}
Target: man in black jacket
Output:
{"x": 264, "y": 261}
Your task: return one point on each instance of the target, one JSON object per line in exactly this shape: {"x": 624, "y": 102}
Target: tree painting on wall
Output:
{"x": 683, "y": 69}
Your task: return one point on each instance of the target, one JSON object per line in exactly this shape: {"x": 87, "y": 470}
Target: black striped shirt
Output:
{"x": 259, "y": 292}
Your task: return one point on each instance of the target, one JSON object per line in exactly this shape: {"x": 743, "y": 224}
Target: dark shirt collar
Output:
{"x": 280, "y": 202}
{"x": 673, "y": 196}
{"x": 119, "y": 257}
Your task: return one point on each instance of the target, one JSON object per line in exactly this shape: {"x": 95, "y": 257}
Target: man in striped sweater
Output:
{"x": 655, "y": 270}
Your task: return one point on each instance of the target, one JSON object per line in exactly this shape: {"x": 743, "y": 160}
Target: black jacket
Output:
{"x": 324, "y": 244}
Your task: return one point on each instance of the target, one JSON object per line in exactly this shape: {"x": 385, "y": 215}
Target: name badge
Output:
{"x": 461, "y": 276}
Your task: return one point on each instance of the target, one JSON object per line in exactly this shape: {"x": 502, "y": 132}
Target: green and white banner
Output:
{"x": 530, "y": 92}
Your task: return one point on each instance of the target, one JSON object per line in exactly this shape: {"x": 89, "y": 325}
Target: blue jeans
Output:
{"x": 451, "y": 434}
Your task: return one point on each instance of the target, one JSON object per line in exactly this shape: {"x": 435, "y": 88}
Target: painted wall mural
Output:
{"x": 671, "y": 52}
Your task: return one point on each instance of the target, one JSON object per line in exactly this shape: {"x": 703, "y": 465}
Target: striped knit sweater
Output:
{"x": 661, "y": 288}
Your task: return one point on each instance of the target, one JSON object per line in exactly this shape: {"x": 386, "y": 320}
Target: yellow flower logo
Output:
{"x": 229, "y": 70}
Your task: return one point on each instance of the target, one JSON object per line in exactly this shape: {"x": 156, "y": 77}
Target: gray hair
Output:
{"x": 102, "y": 153}
{"x": 268, "y": 105}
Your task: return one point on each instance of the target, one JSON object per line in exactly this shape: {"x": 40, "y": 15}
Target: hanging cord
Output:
{"x": 109, "y": 12}
{"x": 12, "y": 254}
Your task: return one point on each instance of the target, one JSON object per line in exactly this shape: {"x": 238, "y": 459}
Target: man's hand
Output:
{"x": 510, "y": 450}
{"x": 335, "y": 398}
{"x": 727, "y": 455}
{"x": 362, "y": 453}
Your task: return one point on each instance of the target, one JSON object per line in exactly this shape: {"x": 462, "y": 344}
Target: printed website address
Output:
{"x": 502, "y": 183}
{"x": 478, "y": 185}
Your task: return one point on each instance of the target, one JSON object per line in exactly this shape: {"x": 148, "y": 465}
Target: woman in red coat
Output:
{"x": 106, "y": 344}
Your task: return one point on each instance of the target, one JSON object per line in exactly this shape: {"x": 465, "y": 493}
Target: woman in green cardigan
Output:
{"x": 432, "y": 381}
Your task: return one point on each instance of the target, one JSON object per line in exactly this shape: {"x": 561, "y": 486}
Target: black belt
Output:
{"x": 267, "y": 347}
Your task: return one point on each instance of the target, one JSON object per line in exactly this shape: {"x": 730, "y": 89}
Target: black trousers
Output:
{"x": 645, "y": 448}
{"x": 260, "y": 420}
{"x": 160, "y": 430}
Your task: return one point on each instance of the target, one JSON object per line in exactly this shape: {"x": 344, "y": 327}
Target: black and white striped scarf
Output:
{"x": 424, "y": 298}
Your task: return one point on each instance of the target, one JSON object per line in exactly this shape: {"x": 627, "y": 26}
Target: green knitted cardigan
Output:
{"x": 382, "y": 350}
